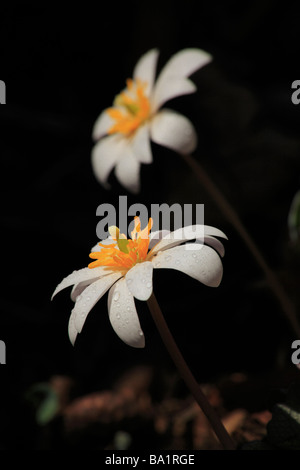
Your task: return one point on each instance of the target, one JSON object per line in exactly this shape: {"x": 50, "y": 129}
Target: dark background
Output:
{"x": 61, "y": 68}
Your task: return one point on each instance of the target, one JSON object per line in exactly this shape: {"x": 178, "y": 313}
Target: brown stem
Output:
{"x": 187, "y": 376}
{"x": 233, "y": 218}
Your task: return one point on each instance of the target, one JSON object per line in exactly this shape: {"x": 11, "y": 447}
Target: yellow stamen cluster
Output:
{"x": 131, "y": 108}
{"x": 125, "y": 253}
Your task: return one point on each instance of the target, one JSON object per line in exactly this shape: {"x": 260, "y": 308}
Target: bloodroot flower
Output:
{"x": 125, "y": 267}
{"x": 123, "y": 132}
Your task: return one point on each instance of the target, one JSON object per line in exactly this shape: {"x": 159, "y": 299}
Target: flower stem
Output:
{"x": 274, "y": 284}
{"x": 187, "y": 376}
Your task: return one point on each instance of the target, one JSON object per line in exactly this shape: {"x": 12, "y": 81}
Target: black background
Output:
{"x": 61, "y": 68}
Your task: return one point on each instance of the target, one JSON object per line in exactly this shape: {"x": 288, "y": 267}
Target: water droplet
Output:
{"x": 116, "y": 296}
{"x": 129, "y": 281}
{"x": 143, "y": 280}
{"x": 128, "y": 309}
{"x": 88, "y": 299}
{"x": 141, "y": 333}
{"x": 149, "y": 284}
{"x": 194, "y": 255}
{"x": 78, "y": 298}
{"x": 127, "y": 321}
{"x": 118, "y": 316}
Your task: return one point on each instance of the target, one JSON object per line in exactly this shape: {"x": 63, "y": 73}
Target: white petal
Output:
{"x": 71, "y": 329}
{"x": 123, "y": 316}
{"x": 85, "y": 274}
{"x": 90, "y": 297}
{"x": 155, "y": 237}
{"x": 180, "y": 235}
{"x": 214, "y": 243}
{"x": 184, "y": 63}
{"x": 139, "y": 280}
{"x": 203, "y": 264}
{"x": 140, "y": 145}
{"x": 145, "y": 69}
{"x": 173, "y": 130}
{"x": 106, "y": 154}
{"x": 79, "y": 288}
{"x": 181, "y": 65}
{"x": 102, "y": 124}
{"x": 169, "y": 89}
{"x": 191, "y": 232}
{"x": 128, "y": 172}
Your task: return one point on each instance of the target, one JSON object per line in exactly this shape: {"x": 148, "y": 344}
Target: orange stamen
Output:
{"x": 133, "y": 108}
{"x": 124, "y": 254}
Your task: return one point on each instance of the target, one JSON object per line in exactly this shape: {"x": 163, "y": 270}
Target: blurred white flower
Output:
{"x": 125, "y": 267}
{"x": 123, "y": 132}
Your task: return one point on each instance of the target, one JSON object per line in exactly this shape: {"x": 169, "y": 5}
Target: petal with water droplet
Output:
{"x": 203, "y": 264}
{"x": 82, "y": 275}
{"x": 90, "y": 297}
{"x": 139, "y": 280}
{"x": 123, "y": 316}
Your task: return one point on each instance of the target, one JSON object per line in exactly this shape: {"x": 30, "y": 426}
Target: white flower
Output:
{"x": 125, "y": 267}
{"x": 123, "y": 132}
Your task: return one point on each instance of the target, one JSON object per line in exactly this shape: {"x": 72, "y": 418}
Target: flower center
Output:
{"x": 131, "y": 108}
{"x": 124, "y": 253}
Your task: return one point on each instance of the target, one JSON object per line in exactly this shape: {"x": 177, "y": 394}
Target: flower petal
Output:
{"x": 214, "y": 243}
{"x": 203, "y": 264}
{"x": 106, "y": 154}
{"x": 127, "y": 172}
{"x": 139, "y": 280}
{"x": 102, "y": 124}
{"x": 90, "y": 296}
{"x": 123, "y": 316}
{"x": 71, "y": 329}
{"x": 180, "y": 66}
{"x": 173, "y": 130}
{"x": 145, "y": 69}
{"x": 191, "y": 232}
{"x": 184, "y": 63}
{"x": 140, "y": 144}
{"x": 79, "y": 288}
{"x": 169, "y": 89}
{"x": 85, "y": 274}
{"x": 155, "y": 237}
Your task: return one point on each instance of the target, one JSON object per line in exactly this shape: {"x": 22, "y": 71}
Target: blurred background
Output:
{"x": 61, "y": 69}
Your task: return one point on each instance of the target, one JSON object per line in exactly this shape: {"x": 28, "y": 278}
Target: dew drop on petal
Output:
{"x": 148, "y": 285}
{"x": 116, "y": 296}
{"x": 141, "y": 333}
